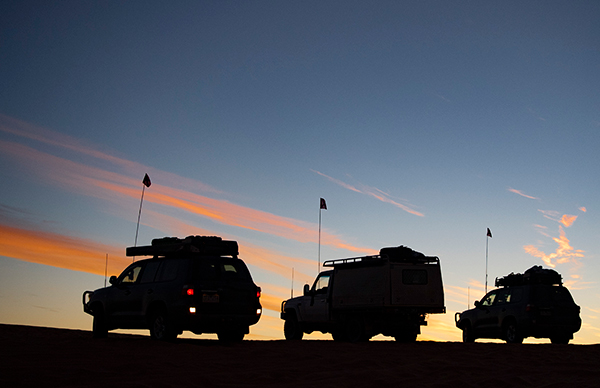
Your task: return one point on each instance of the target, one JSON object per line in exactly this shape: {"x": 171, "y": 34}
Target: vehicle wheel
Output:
{"x": 561, "y": 339}
{"x": 99, "y": 327}
{"x": 231, "y": 335}
{"x": 292, "y": 330}
{"x": 355, "y": 330}
{"x": 405, "y": 337}
{"x": 468, "y": 336}
{"x": 338, "y": 335}
{"x": 511, "y": 333}
{"x": 160, "y": 327}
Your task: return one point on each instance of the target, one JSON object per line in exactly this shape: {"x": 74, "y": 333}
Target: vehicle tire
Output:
{"x": 511, "y": 333}
{"x": 405, "y": 337}
{"x": 355, "y": 330}
{"x": 231, "y": 335}
{"x": 560, "y": 339}
{"x": 99, "y": 327}
{"x": 292, "y": 330}
{"x": 161, "y": 328}
{"x": 468, "y": 336}
{"x": 338, "y": 335}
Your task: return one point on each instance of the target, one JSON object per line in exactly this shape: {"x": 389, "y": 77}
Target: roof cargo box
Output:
{"x": 534, "y": 275}
{"x": 405, "y": 254}
{"x": 203, "y": 245}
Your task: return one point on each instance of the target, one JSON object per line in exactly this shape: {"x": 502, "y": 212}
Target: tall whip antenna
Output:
{"x": 146, "y": 181}
{"x": 487, "y": 239}
{"x": 322, "y": 206}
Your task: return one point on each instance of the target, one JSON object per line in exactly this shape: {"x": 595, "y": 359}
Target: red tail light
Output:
{"x": 258, "y": 290}
{"x": 187, "y": 290}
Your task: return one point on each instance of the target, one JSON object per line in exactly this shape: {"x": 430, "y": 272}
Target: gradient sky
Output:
{"x": 422, "y": 123}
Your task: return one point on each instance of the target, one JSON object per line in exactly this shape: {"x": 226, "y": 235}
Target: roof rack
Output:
{"x": 351, "y": 260}
{"x": 203, "y": 245}
{"x": 534, "y": 275}
{"x": 393, "y": 254}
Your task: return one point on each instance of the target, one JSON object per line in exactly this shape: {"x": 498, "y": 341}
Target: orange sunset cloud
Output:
{"x": 61, "y": 251}
{"x": 565, "y": 253}
{"x": 88, "y": 180}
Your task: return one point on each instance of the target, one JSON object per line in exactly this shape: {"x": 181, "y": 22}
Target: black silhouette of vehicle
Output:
{"x": 358, "y": 298}
{"x": 533, "y": 304}
{"x": 197, "y": 284}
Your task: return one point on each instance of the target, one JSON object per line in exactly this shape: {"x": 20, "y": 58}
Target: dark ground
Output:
{"x": 40, "y": 357}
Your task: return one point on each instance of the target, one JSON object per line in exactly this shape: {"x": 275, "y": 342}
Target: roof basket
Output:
{"x": 534, "y": 275}
{"x": 203, "y": 245}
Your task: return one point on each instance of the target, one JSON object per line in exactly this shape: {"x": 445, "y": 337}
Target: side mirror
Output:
{"x": 477, "y": 304}
{"x": 113, "y": 280}
{"x": 306, "y": 289}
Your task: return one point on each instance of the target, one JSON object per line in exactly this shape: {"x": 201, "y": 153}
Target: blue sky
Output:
{"x": 422, "y": 123}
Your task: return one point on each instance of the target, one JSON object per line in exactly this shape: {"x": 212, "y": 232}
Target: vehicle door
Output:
{"x": 498, "y": 310}
{"x": 484, "y": 320}
{"x": 315, "y": 305}
{"x": 125, "y": 297}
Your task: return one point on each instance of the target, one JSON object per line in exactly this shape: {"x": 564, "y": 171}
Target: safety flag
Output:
{"x": 147, "y": 182}
{"x": 323, "y": 204}
{"x": 489, "y": 232}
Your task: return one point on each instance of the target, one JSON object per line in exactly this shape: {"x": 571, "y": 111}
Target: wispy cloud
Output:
{"x": 372, "y": 192}
{"x": 521, "y": 193}
{"x": 565, "y": 219}
{"x": 583, "y": 209}
{"x": 534, "y": 113}
{"x": 114, "y": 186}
{"x": 565, "y": 253}
{"x": 61, "y": 251}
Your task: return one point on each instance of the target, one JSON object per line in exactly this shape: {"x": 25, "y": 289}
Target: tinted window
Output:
{"x": 168, "y": 270}
{"x": 220, "y": 268}
{"x": 233, "y": 269}
{"x": 206, "y": 270}
{"x": 514, "y": 295}
{"x": 503, "y": 296}
{"x": 414, "y": 276}
{"x": 322, "y": 283}
{"x": 150, "y": 272}
{"x": 562, "y": 296}
{"x": 131, "y": 276}
{"x": 489, "y": 300}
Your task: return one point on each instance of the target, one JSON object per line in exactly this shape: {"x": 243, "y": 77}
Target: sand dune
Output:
{"x": 36, "y": 356}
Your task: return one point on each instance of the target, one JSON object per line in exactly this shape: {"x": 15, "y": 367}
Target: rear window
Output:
{"x": 168, "y": 270}
{"x": 553, "y": 295}
{"x": 221, "y": 268}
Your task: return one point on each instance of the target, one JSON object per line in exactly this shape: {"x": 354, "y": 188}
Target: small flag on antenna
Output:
{"x": 323, "y": 204}
{"x": 489, "y": 232}
{"x": 147, "y": 182}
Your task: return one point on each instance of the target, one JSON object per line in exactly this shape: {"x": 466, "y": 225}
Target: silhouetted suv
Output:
{"x": 196, "y": 284}
{"x": 533, "y": 304}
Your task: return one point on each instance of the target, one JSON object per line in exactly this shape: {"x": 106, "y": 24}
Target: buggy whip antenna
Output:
{"x": 322, "y": 205}
{"x": 105, "y": 269}
{"x": 146, "y": 181}
{"x": 487, "y": 238}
